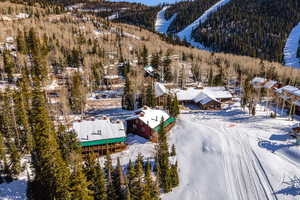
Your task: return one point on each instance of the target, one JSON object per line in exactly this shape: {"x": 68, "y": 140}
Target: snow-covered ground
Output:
{"x": 186, "y": 33}
{"x": 224, "y": 154}
{"x": 291, "y": 47}
{"x": 161, "y": 24}
{"x": 232, "y": 156}
{"x": 149, "y": 2}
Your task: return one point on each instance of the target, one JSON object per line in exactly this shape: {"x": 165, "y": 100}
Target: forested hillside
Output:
{"x": 187, "y": 12}
{"x": 257, "y": 28}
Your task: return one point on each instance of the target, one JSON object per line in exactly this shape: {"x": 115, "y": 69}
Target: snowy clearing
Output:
{"x": 161, "y": 24}
{"x": 230, "y": 155}
{"x": 291, "y": 47}
{"x": 186, "y": 33}
{"x": 149, "y": 2}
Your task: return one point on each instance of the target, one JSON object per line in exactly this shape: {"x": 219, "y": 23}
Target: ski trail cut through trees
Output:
{"x": 291, "y": 48}
{"x": 186, "y": 33}
{"x": 161, "y": 23}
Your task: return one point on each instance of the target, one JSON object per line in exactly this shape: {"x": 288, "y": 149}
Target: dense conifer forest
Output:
{"x": 187, "y": 12}
{"x": 254, "y": 28}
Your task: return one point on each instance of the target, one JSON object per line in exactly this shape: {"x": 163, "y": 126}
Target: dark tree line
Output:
{"x": 253, "y": 28}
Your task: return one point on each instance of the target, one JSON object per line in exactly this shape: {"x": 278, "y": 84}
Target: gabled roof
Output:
{"x": 258, "y": 82}
{"x": 151, "y": 117}
{"x": 270, "y": 84}
{"x": 217, "y": 92}
{"x": 98, "y": 130}
{"x": 287, "y": 88}
{"x": 160, "y": 89}
{"x": 187, "y": 95}
{"x": 203, "y": 99}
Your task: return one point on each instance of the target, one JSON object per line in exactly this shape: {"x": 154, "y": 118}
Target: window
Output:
{"x": 143, "y": 129}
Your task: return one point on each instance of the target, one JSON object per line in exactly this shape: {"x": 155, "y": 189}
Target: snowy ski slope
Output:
{"x": 161, "y": 24}
{"x": 186, "y": 33}
{"x": 291, "y": 47}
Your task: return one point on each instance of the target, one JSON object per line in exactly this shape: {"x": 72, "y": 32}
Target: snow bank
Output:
{"x": 291, "y": 47}
{"x": 186, "y": 33}
{"x": 161, "y": 24}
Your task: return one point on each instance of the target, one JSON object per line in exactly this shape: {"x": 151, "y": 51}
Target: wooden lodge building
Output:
{"x": 147, "y": 122}
{"x": 100, "y": 135}
{"x": 112, "y": 80}
{"x": 289, "y": 96}
{"x": 207, "y": 98}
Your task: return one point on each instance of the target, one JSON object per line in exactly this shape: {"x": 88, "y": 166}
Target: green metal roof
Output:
{"x": 105, "y": 141}
{"x": 166, "y": 123}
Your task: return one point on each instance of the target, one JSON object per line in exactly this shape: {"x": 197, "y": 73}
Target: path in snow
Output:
{"x": 186, "y": 33}
{"x": 291, "y": 47}
{"x": 161, "y": 24}
{"x": 220, "y": 158}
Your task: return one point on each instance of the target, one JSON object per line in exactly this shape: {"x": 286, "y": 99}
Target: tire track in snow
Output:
{"x": 245, "y": 174}
{"x": 186, "y": 33}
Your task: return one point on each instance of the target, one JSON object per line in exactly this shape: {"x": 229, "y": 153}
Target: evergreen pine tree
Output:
{"x": 51, "y": 180}
{"x": 164, "y": 172}
{"x": 79, "y": 185}
{"x": 77, "y": 94}
{"x": 111, "y": 192}
{"x": 151, "y": 188}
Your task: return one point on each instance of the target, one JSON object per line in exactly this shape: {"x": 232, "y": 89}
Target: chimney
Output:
{"x": 156, "y": 118}
{"x": 142, "y": 114}
{"x": 145, "y": 107}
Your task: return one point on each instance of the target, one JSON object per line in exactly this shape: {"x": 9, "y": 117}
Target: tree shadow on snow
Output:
{"x": 273, "y": 146}
{"x": 284, "y": 137}
{"x": 293, "y": 187}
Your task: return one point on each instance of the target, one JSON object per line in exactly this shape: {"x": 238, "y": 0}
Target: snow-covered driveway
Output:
{"x": 221, "y": 156}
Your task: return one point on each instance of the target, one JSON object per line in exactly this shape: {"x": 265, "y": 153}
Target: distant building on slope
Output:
{"x": 161, "y": 93}
{"x": 100, "y": 135}
{"x": 147, "y": 122}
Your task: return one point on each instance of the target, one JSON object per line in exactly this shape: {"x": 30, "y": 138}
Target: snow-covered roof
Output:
{"x": 288, "y": 89}
{"x": 203, "y": 98}
{"x": 213, "y": 92}
{"x": 111, "y": 76}
{"x": 160, "y": 89}
{"x": 149, "y": 69}
{"x": 149, "y": 116}
{"x": 187, "y": 95}
{"x": 258, "y": 82}
{"x": 98, "y": 129}
{"x": 217, "y": 92}
{"x": 52, "y": 86}
{"x": 270, "y": 84}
